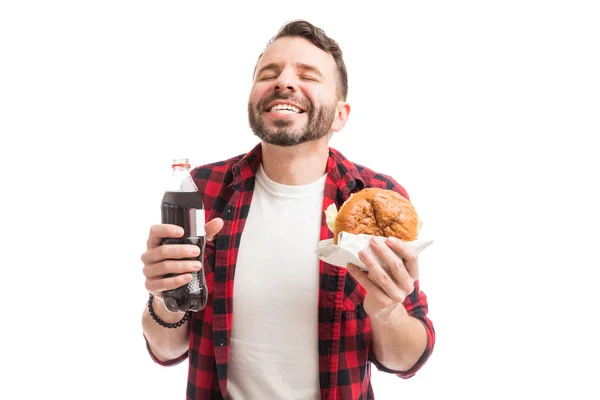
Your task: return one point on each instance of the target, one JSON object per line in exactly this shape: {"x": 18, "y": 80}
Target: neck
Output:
{"x": 296, "y": 165}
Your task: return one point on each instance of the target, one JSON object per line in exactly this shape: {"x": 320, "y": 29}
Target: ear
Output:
{"x": 341, "y": 116}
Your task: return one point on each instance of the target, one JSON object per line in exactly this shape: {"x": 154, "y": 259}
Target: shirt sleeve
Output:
{"x": 416, "y": 305}
{"x": 167, "y": 363}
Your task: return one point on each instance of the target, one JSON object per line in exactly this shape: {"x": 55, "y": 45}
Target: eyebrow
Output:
{"x": 277, "y": 67}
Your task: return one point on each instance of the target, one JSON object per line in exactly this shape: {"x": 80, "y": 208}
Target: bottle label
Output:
{"x": 197, "y": 222}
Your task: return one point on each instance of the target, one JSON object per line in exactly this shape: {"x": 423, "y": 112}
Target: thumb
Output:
{"x": 213, "y": 227}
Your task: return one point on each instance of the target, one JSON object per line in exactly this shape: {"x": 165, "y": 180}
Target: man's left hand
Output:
{"x": 386, "y": 290}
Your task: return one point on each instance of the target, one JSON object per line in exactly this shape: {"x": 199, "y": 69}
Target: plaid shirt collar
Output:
{"x": 341, "y": 172}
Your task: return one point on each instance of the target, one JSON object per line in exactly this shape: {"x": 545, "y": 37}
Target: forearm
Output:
{"x": 399, "y": 339}
{"x": 166, "y": 344}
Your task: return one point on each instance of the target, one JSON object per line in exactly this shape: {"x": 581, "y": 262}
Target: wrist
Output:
{"x": 163, "y": 313}
{"x": 393, "y": 315}
{"x": 162, "y": 316}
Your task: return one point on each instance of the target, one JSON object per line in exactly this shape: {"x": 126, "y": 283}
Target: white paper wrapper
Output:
{"x": 346, "y": 251}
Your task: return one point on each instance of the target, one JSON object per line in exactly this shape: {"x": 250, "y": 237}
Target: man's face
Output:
{"x": 293, "y": 99}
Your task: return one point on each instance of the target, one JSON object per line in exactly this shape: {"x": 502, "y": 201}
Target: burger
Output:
{"x": 377, "y": 212}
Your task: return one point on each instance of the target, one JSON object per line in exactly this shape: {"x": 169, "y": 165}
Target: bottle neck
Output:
{"x": 181, "y": 180}
{"x": 180, "y": 170}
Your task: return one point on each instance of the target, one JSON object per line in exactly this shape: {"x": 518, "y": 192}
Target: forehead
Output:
{"x": 291, "y": 51}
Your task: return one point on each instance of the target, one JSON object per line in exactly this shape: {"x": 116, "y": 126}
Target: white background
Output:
{"x": 485, "y": 111}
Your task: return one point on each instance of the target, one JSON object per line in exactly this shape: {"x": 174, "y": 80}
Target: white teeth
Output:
{"x": 285, "y": 109}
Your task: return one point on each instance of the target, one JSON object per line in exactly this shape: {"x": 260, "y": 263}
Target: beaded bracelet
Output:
{"x": 160, "y": 321}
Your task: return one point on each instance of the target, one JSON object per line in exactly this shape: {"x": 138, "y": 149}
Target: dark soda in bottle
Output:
{"x": 182, "y": 205}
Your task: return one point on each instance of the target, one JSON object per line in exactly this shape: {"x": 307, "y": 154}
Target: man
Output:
{"x": 279, "y": 323}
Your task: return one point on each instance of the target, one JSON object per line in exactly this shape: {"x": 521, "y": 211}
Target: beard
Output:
{"x": 284, "y": 133}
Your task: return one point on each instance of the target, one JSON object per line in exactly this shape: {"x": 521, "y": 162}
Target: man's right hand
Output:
{"x": 161, "y": 260}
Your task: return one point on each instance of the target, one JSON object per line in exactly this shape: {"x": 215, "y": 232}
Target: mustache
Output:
{"x": 303, "y": 103}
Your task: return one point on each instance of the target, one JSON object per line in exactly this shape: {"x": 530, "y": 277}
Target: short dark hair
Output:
{"x": 306, "y": 30}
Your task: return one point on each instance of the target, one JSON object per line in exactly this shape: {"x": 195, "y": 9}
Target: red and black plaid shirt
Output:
{"x": 345, "y": 338}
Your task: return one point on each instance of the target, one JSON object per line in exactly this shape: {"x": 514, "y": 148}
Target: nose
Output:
{"x": 286, "y": 81}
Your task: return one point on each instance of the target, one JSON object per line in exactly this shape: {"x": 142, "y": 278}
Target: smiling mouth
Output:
{"x": 285, "y": 109}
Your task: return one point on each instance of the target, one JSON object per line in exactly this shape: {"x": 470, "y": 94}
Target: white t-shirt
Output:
{"x": 274, "y": 342}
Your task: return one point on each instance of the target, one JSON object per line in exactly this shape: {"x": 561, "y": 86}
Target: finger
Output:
{"x": 173, "y": 282}
{"x": 409, "y": 256}
{"x": 159, "y": 232}
{"x": 395, "y": 265}
{"x": 163, "y": 268}
{"x": 213, "y": 227}
{"x": 381, "y": 278}
{"x": 170, "y": 251}
{"x": 372, "y": 289}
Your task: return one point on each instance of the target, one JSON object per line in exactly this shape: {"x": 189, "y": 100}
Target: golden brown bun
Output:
{"x": 377, "y": 212}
